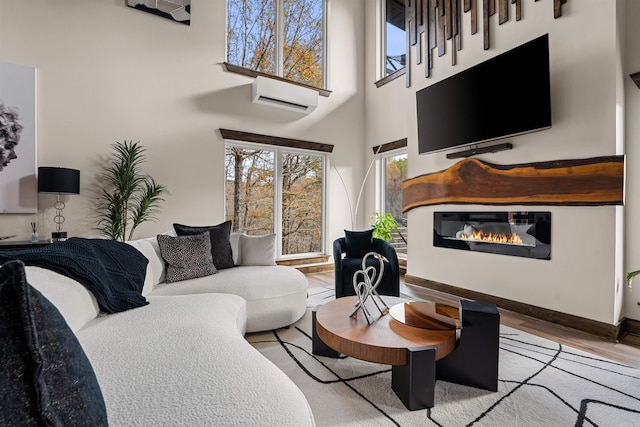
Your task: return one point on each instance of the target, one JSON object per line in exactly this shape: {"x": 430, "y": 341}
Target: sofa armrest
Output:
{"x": 339, "y": 247}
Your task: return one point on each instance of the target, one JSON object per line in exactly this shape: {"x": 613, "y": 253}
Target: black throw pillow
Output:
{"x": 45, "y": 376}
{"x": 220, "y": 243}
{"x": 358, "y": 243}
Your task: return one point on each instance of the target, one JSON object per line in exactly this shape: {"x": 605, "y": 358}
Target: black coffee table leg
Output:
{"x": 474, "y": 362}
{"x": 414, "y": 383}
{"x": 318, "y": 347}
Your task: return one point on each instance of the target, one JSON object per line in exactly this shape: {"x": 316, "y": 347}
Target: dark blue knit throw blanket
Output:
{"x": 113, "y": 271}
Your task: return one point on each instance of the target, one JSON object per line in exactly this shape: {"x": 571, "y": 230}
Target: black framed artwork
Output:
{"x": 175, "y": 10}
{"x": 17, "y": 138}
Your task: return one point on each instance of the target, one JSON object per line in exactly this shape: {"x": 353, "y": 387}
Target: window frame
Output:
{"x": 383, "y": 77}
{"x": 381, "y": 175}
{"x": 280, "y": 50}
{"x": 278, "y": 196}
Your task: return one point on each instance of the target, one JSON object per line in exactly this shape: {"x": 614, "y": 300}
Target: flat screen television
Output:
{"x": 504, "y": 96}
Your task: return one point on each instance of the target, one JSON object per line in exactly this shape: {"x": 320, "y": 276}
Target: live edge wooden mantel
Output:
{"x": 580, "y": 182}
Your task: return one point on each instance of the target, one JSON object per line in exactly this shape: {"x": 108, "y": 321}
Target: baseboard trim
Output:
{"x": 632, "y": 326}
{"x": 594, "y": 327}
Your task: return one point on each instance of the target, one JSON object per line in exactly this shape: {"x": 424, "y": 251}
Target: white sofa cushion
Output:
{"x": 275, "y": 295}
{"x": 248, "y": 282}
{"x": 199, "y": 370}
{"x": 77, "y": 305}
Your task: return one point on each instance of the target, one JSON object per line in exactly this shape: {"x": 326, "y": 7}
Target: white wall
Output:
{"x": 582, "y": 278}
{"x": 107, "y": 72}
{"x": 632, "y": 133}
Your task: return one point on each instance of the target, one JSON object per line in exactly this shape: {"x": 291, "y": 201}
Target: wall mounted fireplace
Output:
{"x": 523, "y": 234}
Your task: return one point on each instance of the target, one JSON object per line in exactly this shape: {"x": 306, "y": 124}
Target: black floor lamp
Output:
{"x": 58, "y": 181}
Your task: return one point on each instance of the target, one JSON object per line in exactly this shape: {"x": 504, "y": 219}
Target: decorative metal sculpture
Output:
{"x": 441, "y": 21}
{"x": 366, "y": 287}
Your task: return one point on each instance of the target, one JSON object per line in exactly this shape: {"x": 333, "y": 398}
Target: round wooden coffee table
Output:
{"x": 386, "y": 340}
{"x": 411, "y": 339}
{"x": 412, "y": 351}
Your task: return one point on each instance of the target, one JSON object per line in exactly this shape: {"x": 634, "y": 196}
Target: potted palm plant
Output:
{"x": 129, "y": 196}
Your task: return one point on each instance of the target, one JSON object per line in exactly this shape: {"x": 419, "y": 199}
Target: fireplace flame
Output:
{"x": 481, "y": 236}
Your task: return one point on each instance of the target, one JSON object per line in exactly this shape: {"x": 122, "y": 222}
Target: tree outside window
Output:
{"x": 276, "y": 191}
{"x": 279, "y": 37}
{"x": 301, "y": 203}
{"x": 250, "y": 189}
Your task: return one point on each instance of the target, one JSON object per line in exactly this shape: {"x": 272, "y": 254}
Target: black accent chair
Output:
{"x": 344, "y": 268}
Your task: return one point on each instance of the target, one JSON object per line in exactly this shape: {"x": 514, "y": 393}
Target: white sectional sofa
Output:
{"x": 182, "y": 359}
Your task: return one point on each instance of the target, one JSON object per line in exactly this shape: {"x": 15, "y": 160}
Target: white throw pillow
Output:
{"x": 258, "y": 250}
{"x": 156, "y": 267}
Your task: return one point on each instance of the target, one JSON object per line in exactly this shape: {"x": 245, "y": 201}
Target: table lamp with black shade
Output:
{"x": 58, "y": 181}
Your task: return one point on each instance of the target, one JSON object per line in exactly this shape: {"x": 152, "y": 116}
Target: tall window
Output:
{"x": 279, "y": 37}
{"x": 276, "y": 190}
{"x": 395, "y": 42}
{"x": 393, "y": 170}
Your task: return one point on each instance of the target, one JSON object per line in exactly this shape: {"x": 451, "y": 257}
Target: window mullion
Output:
{"x": 383, "y": 38}
{"x": 280, "y": 37}
{"x": 277, "y": 200}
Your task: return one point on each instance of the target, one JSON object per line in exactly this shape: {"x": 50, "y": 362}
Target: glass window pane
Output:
{"x": 395, "y": 173}
{"x": 303, "y": 41}
{"x": 301, "y": 204}
{"x": 249, "y": 189}
{"x": 395, "y": 44}
{"x": 251, "y": 34}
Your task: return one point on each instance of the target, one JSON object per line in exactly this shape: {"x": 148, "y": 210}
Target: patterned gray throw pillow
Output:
{"x": 186, "y": 257}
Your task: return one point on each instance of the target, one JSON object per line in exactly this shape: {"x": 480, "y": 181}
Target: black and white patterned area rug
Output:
{"x": 541, "y": 383}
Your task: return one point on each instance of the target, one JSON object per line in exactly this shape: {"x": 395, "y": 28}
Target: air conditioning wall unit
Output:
{"x": 284, "y": 95}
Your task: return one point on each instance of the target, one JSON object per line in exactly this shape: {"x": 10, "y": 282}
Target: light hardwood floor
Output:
{"x": 622, "y": 353}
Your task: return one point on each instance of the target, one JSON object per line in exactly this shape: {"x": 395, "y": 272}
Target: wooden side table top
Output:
{"x": 385, "y": 341}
